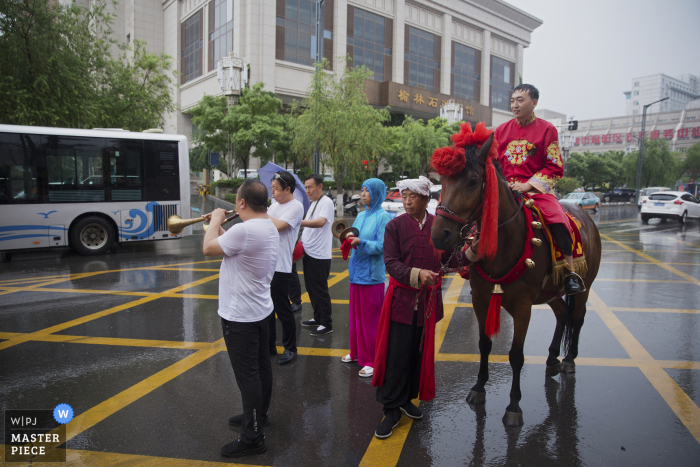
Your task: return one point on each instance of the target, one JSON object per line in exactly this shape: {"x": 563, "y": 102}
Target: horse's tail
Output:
{"x": 569, "y": 325}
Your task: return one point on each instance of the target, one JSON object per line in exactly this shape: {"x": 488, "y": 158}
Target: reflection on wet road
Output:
{"x": 132, "y": 341}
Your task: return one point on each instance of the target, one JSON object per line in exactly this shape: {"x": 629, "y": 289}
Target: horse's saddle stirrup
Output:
{"x": 573, "y": 284}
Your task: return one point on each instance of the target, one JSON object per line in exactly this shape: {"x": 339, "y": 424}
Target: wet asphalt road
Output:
{"x": 131, "y": 340}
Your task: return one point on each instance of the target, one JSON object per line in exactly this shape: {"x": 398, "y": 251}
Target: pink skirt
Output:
{"x": 365, "y": 307}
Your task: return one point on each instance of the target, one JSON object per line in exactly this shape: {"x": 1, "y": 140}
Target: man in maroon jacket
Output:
{"x": 411, "y": 262}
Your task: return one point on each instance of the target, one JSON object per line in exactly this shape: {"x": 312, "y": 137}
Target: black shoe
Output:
{"x": 573, "y": 284}
{"x": 239, "y": 449}
{"x": 391, "y": 419}
{"x": 322, "y": 330}
{"x": 286, "y": 357}
{"x": 273, "y": 351}
{"x": 310, "y": 323}
{"x": 236, "y": 420}
{"x": 296, "y": 307}
{"x": 412, "y": 411}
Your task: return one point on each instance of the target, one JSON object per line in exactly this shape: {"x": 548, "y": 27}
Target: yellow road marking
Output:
{"x": 386, "y": 452}
{"x": 639, "y": 251}
{"x": 100, "y": 314}
{"x": 48, "y": 282}
{"x": 78, "y": 291}
{"x": 600, "y": 279}
{"x": 654, "y": 310}
{"x": 449, "y": 303}
{"x": 331, "y": 282}
{"x": 79, "y": 458}
{"x": 688, "y": 277}
{"x": 682, "y": 405}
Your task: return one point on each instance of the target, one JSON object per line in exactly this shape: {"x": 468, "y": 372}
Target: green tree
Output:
{"x": 212, "y": 134}
{"x": 57, "y": 70}
{"x": 566, "y": 185}
{"x": 659, "y": 165}
{"x": 420, "y": 140}
{"x": 338, "y": 114}
{"x": 690, "y": 165}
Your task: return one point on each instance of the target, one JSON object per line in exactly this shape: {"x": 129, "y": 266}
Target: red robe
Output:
{"x": 530, "y": 153}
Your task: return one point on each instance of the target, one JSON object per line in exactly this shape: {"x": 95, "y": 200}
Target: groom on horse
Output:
{"x": 528, "y": 151}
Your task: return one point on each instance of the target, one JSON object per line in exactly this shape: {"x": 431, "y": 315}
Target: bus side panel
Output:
{"x": 31, "y": 226}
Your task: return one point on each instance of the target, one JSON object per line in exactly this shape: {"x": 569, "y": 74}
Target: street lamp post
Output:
{"x": 319, "y": 57}
{"x": 641, "y": 146}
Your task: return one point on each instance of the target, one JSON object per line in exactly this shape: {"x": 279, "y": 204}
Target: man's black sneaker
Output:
{"x": 286, "y": 357}
{"x": 310, "y": 323}
{"x": 412, "y": 411}
{"x": 322, "y": 330}
{"x": 573, "y": 284}
{"x": 391, "y": 419}
{"x": 239, "y": 449}
{"x": 296, "y": 307}
{"x": 236, "y": 420}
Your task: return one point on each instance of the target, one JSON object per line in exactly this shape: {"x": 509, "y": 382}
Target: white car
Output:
{"x": 645, "y": 192}
{"x": 251, "y": 174}
{"x": 394, "y": 206}
{"x": 677, "y": 205}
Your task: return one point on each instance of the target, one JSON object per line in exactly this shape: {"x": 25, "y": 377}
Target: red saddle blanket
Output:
{"x": 559, "y": 265}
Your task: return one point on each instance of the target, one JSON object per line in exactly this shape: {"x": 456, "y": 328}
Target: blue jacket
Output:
{"x": 366, "y": 265}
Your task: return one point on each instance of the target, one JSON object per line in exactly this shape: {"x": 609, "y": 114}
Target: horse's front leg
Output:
{"x": 573, "y": 332}
{"x": 521, "y": 321}
{"x": 477, "y": 395}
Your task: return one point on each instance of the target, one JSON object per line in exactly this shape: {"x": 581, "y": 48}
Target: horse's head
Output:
{"x": 462, "y": 170}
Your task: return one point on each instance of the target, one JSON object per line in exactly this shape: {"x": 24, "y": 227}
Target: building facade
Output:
{"x": 422, "y": 52}
{"x": 681, "y": 128}
{"x": 647, "y": 89}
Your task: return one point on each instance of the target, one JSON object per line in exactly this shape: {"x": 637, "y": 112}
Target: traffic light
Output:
{"x": 573, "y": 125}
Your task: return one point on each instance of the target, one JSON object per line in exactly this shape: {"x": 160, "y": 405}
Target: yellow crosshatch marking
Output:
{"x": 386, "y": 452}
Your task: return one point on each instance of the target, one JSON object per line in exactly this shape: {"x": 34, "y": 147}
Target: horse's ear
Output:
{"x": 486, "y": 147}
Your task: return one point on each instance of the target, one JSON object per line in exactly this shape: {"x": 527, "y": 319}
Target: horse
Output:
{"x": 461, "y": 204}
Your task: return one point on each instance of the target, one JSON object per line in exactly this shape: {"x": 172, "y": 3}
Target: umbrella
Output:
{"x": 266, "y": 173}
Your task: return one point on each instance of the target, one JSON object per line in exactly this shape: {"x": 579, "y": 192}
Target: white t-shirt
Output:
{"x": 251, "y": 250}
{"x": 290, "y": 212}
{"x": 318, "y": 242}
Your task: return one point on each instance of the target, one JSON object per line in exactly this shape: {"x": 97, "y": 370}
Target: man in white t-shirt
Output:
{"x": 317, "y": 239}
{"x": 286, "y": 213}
{"x": 250, "y": 251}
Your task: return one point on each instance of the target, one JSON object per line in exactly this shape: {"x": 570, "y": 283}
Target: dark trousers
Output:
{"x": 295, "y": 286}
{"x": 316, "y": 273}
{"x": 250, "y": 358}
{"x": 403, "y": 364}
{"x": 563, "y": 238}
{"x": 279, "y": 288}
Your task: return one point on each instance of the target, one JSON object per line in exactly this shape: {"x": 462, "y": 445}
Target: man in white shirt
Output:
{"x": 286, "y": 213}
{"x": 250, "y": 251}
{"x": 317, "y": 239}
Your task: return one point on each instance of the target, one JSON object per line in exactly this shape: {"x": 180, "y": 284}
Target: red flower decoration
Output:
{"x": 449, "y": 161}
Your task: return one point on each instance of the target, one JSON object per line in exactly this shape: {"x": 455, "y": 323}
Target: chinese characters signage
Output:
{"x": 619, "y": 138}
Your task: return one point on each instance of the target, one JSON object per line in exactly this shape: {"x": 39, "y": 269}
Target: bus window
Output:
{"x": 125, "y": 169}
{"x": 22, "y": 170}
{"x": 75, "y": 169}
{"x": 162, "y": 171}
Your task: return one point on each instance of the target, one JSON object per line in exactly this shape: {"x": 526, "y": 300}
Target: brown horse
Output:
{"x": 462, "y": 197}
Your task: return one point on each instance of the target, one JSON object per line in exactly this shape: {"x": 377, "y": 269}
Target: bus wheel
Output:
{"x": 92, "y": 236}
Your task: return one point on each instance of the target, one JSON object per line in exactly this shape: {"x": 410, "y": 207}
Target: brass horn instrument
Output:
{"x": 176, "y": 224}
{"x": 228, "y": 219}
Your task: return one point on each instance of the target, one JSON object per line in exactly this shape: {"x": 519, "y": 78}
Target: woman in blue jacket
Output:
{"x": 367, "y": 272}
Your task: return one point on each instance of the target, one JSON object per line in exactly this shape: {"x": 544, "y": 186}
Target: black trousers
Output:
{"x": 250, "y": 358}
{"x": 316, "y": 273}
{"x": 279, "y": 289}
{"x": 295, "y": 286}
{"x": 563, "y": 238}
{"x": 403, "y": 364}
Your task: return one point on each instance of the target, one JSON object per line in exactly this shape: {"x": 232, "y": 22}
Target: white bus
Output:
{"x": 89, "y": 188}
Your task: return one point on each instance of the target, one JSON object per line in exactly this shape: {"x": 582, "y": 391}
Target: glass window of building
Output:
{"x": 368, "y": 39}
{"x": 296, "y": 30}
{"x": 502, "y": 78}
{"x": 220, "y": 30}
{"x": 423, "y": 69}
{"x": 192, "y": 47}
{"x": 465, "y": 72}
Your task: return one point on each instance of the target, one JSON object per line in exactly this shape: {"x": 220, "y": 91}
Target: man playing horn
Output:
{"x": 528, "y": 151}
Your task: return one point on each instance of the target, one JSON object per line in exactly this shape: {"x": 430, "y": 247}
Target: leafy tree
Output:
{"x": 659, "y": 165}
{"x": 57, "y": 70}
{"x": 212, "y": 133}
{"x": 691, "y": 164}
{"x": 338, "y": 114}
{"x": 566, "y": 185}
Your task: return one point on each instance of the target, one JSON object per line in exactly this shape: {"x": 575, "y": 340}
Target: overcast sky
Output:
{"x": 585, "y": 53}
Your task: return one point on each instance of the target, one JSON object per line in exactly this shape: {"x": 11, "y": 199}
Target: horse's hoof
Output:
{"x": 476, "y": 398}
{"x": 553, "y": 370}
{"x": 513, "y": 419}
{"x": 568, "y": 367}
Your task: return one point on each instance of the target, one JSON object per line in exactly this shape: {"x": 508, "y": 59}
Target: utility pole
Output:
{"x": 641, "y": 147}
{"x": 319, "y": 58}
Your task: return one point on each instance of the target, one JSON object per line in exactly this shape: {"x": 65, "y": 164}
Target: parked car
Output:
{"x": 645, "y": 192}
{"x": 582, "y": 199}
{"x": 677, "y": 205}
{"x": 394, "y": 205}
{"x": 251, "y": 174}
{"x": 619, "y": 194}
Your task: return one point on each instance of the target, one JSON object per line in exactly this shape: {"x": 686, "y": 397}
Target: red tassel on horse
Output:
{"x": 488, "y": 243}
{"x": 493, "y": 318}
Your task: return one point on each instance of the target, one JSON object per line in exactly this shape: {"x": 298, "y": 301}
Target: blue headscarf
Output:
{"x": 377, "y": 190}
